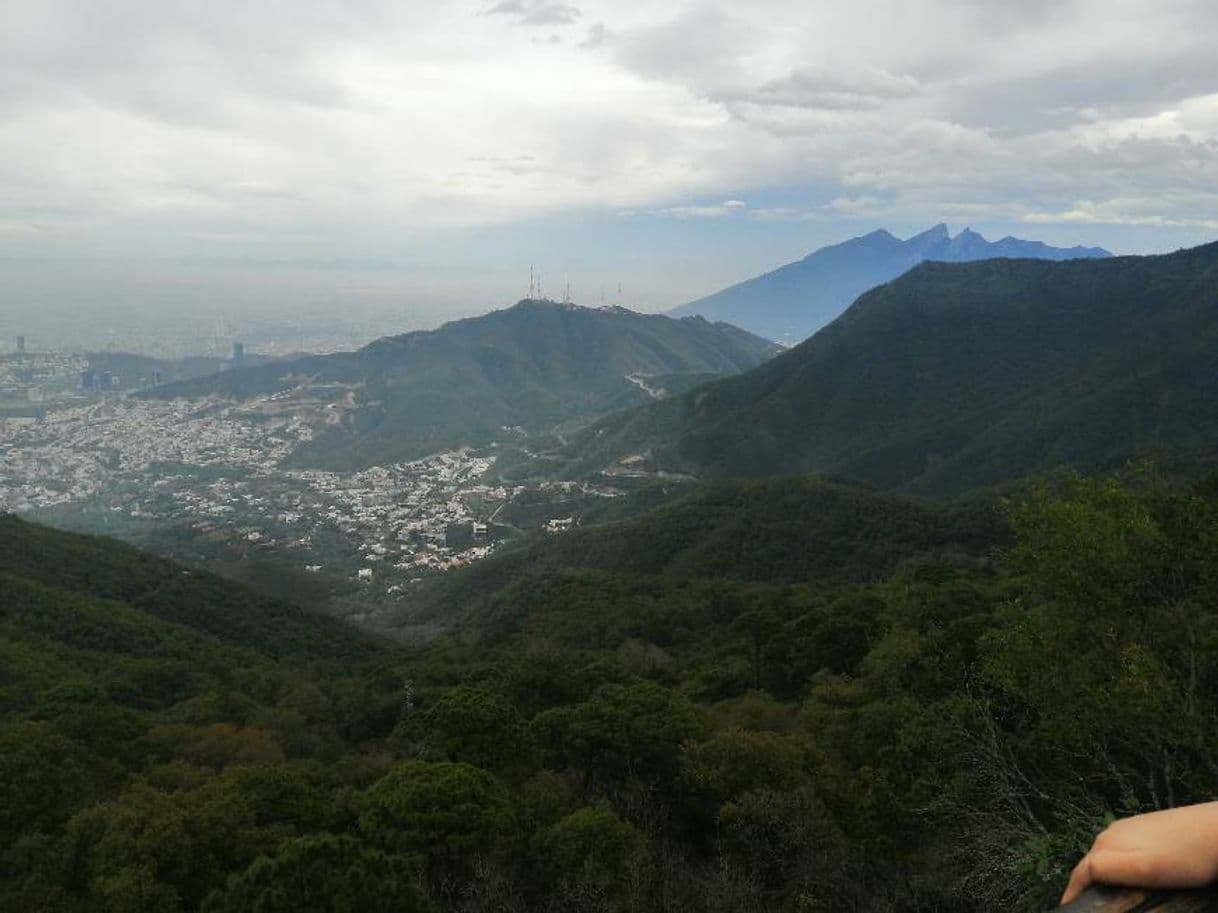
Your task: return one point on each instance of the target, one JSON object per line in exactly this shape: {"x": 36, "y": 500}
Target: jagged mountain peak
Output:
{"x": 792, "y": 302}
{"x": 934, "y": 233}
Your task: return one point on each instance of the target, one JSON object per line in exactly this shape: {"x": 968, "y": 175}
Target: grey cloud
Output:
{"x": 1130, "y": 181}
{"x": 700, "y": 47}
{"x": 706, "y": 48}
{"x": 1003, "y": 15}
{"x": 992, "y": 108}
{"x": 597, "y": 36}
{"x": 835, "y": 89}
{"x": 1120, "y": 86}
{"x": 536, "y": 12}
{"x": 176, "y": 61}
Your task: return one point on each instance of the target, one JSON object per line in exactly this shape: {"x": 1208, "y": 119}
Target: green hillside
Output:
{"x": 508, "y": 374}
{"x": 959, "y": 376}
{"x": 908, "y": 721}
{"x": 970, "y": 703}
{"x": 698, "y": 563}
{"x": 92, "y": 567}
{"x": 779, "y": 530}
{"x": 772, "y": 531}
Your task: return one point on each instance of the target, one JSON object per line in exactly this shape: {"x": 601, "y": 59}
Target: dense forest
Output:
{"x": 941, "y": 727}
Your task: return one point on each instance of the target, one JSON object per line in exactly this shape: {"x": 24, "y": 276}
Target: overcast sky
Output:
{"x": 429, "y": 151}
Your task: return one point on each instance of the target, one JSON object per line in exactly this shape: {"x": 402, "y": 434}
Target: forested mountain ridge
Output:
{"x": 521, "y": 370}
{"x": 773, "y": 531}
{"x": 959, "y": 376}
{"x": 795, "y": 300}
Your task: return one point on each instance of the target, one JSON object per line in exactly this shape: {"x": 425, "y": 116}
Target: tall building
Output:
{"x": 238, "y": 352}
{"x": 20, "y": 345}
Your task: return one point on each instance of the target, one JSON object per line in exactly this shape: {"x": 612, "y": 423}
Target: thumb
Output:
{"x": 1125, "y": 868}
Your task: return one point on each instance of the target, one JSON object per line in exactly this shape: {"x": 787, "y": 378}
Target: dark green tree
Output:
{"x": 323, "y": 874}
{"x": 447, "y": 813}
{"x": 471, "y": 725}
{"x": 588, "y": 857}
{"x": 623, "y": 736}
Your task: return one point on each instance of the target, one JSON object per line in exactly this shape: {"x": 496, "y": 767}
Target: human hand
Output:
{"x": 1176, "y": 848}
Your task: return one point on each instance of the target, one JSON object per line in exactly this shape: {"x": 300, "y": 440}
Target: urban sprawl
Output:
{"x": 219, "y": 472}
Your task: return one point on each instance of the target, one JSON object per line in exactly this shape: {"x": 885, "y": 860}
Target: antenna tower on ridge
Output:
{"x": 532, "y": 284}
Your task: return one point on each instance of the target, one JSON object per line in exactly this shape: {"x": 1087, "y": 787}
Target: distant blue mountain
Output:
{"x": 794, "y": 301}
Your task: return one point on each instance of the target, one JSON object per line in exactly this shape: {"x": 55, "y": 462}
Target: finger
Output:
{"x": 1080, "y": 880}
{"x": 1142, "y": 869}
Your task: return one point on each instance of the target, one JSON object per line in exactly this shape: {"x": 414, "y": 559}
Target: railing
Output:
{"x": 1123, "y": 900}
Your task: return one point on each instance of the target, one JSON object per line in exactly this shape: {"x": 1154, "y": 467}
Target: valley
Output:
{"x": 210, "y": 480}
{"x": 345, "y": 478}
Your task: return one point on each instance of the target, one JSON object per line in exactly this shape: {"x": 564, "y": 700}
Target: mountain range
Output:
{"x": 959, "y": 376}
{"x": 794, "y": 301}
{"x": 528, "y": 369}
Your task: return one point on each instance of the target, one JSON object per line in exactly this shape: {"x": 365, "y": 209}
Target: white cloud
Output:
{"x": 1116, "y": 212}
{"x": 709, "y": 211}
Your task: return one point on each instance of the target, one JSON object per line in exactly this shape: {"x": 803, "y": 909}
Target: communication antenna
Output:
{"x": 532, "y": 284}
{"x": 566, "y": 295}
{"x": 541, "y": 296}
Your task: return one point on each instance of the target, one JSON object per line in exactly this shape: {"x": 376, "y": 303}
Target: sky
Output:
{"x": 418, "y": 157}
